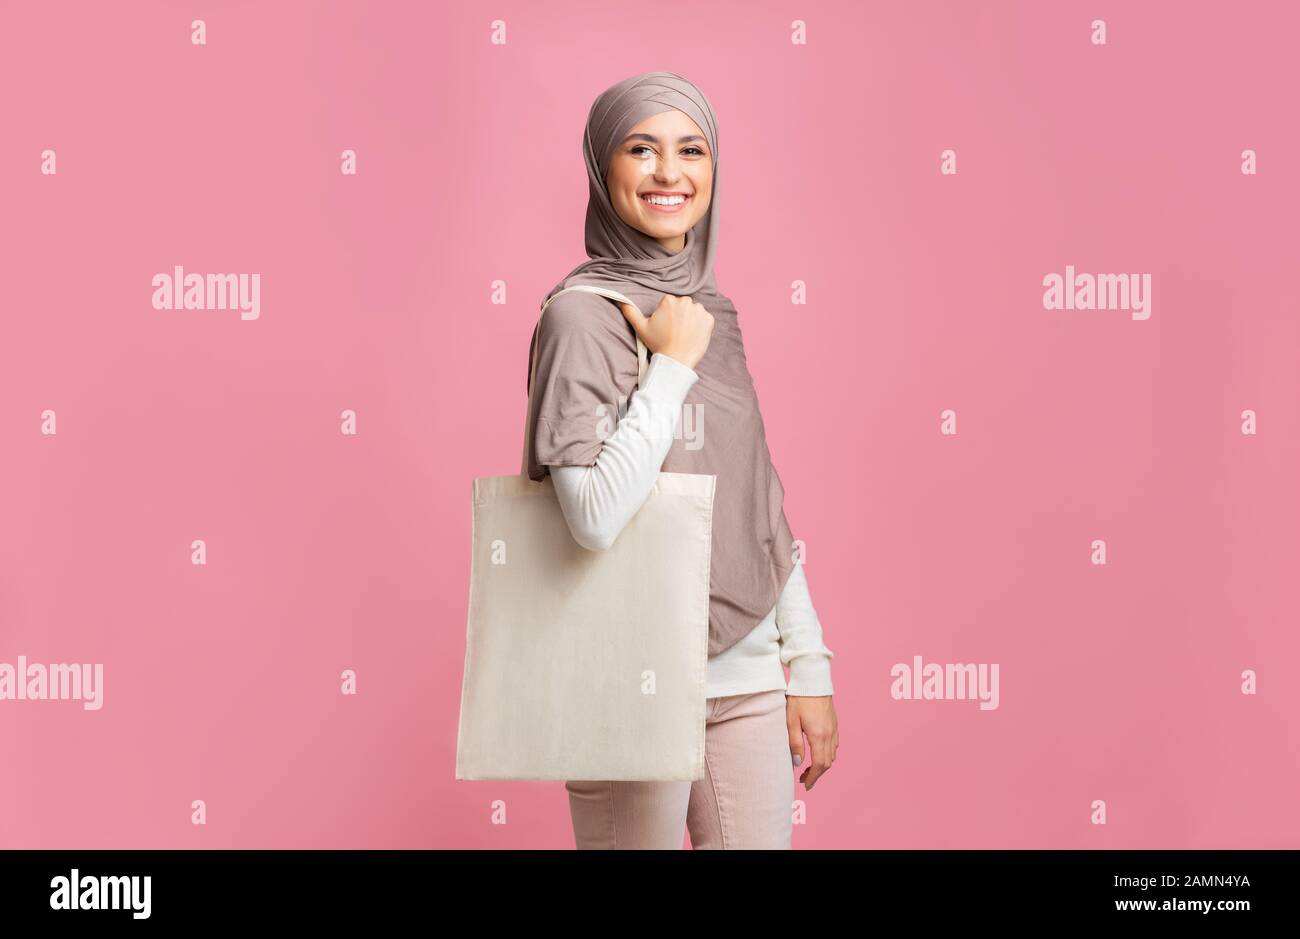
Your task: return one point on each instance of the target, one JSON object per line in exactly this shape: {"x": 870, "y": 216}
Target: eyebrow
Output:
{"x": 653, "y": 139}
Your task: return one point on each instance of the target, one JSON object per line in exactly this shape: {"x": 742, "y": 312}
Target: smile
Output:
{"x": 665, "y": 203}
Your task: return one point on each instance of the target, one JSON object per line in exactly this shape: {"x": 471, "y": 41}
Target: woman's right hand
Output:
{"x": 680, "y": 328}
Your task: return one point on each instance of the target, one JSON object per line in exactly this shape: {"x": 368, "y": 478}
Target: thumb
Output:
{"x": 635, "y": 317}
{"x": 796, "y": 739}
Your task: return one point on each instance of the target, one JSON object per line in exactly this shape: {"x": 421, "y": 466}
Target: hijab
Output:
{"x": 586, "y": 361}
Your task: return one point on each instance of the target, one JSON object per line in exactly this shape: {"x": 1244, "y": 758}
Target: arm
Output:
{"x": 802, "y": 648}
{"x": 599, "y": 500}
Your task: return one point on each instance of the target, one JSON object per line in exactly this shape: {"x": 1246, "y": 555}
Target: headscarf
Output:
{"x": 586, "y": 357}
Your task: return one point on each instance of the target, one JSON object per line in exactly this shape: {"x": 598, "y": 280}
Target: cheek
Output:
{"x": 704, "y": 183}
{"x": 702, "y": 205}
{"x": 630, "y": 174}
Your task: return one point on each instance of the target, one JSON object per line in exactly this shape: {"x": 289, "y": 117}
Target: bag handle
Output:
{"x": 642, "y": 356}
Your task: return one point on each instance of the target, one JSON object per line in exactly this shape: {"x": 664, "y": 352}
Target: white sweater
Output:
{"x": 599, "y": 500}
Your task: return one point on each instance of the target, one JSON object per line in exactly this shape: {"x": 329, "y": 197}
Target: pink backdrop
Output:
{"x": 1120, "y": 682}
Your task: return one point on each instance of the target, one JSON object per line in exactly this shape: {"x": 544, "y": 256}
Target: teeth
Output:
{"x": 664, "y": 200}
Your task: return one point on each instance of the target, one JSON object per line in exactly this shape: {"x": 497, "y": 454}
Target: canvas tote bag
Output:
{"x": 585, "y": 664}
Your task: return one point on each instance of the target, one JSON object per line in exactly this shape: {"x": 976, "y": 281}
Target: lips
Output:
{"x": 667, "y": 202}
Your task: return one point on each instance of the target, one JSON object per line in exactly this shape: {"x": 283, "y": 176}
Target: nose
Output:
{"x": 666, "y": 168}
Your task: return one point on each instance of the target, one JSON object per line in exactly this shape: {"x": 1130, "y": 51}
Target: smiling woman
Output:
{"x": 653, "y": 164}
{"x": 660, "y": 179}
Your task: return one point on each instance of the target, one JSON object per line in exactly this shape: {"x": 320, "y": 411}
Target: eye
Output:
{"x": 691, "y": 150}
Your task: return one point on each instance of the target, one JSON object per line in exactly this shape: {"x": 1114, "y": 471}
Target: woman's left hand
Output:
{"x": 813, "y": 717}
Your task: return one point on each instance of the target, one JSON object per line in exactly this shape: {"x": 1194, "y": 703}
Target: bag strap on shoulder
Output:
{"x": 642, "y": 355}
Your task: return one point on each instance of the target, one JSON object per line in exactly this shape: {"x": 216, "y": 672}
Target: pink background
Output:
{"x": 329, "y": 552}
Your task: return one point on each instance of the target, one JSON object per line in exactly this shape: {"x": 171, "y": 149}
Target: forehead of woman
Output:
{"x": 623, "y": 106}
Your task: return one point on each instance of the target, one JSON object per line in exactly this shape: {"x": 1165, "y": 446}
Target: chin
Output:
{"x": 656, "y": 232}
{"x": 657, "y": 228}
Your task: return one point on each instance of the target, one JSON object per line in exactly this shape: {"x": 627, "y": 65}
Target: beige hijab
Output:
{"x": 586, "y": 359}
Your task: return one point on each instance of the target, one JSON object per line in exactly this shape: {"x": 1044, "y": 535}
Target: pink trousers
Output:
{"x": 744, "y": 801}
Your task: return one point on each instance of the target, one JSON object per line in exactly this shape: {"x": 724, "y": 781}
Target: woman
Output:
{"x": 651, "y": 149}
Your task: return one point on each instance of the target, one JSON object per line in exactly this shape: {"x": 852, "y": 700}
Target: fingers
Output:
{"x": 822, "y": 742}
{"x": 820, "y": 764}
{"x": 634, "y": 316}
{"x": 795, "y": 731}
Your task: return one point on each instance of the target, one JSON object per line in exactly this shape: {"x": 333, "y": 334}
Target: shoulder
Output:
{"x": 585, "y": 314}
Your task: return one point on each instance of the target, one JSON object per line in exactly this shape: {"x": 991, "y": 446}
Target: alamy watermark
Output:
{"x": 181, "y": 291}
{"x": 76, "y": 892}
{"x": 951, "y": 682}
{"x": 1098, "y": 292}
{"x": 58, "y": 682}
{"x": 659, "y": 423}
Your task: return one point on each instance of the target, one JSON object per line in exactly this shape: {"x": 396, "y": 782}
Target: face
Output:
{"x": 666, "y": 158}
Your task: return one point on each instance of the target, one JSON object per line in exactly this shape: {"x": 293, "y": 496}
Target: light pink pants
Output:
{"x": 744, "y": 800}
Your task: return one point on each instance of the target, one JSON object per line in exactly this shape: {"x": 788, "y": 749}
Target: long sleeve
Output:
{"x": 600, "y": 499}
{"x": 802, "y": 648}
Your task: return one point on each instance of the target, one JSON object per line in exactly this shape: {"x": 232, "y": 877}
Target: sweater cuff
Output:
{"x": 677, "y": 377}
{"x": 810, "y": 676}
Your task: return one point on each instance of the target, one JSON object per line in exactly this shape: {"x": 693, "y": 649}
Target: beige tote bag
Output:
{"x": 586, "y": 664}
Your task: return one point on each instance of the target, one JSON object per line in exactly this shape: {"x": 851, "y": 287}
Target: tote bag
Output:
{"x": 580, "y": 664}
